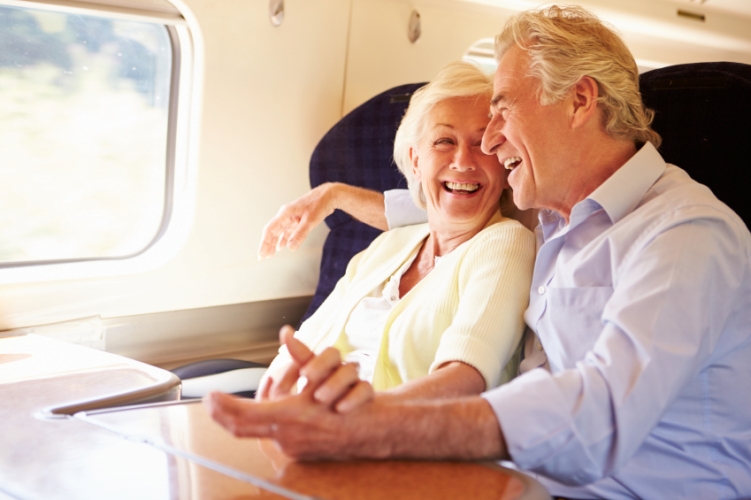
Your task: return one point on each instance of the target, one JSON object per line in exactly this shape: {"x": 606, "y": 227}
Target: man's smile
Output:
{"x": 512, "y": 162}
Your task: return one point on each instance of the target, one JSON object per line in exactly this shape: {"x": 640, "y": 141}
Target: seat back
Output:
{"x": 358, "y": 151}
{"x": 703, "y": 113}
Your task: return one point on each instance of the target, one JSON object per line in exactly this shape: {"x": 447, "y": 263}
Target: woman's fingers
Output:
{"x": 299, "y": 351}
{"x": 336, "y": 385}
{"x": 263, "y": 392}
{"x": 326, "y": 376}
{"x": 321, "y": 367}
{"x": 361, "y": 393}
{"x": 285, "y": 381}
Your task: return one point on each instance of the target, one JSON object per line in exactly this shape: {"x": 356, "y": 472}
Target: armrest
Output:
{"x": 226, "y": 375}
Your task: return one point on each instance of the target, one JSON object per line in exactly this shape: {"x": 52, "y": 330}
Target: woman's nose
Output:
{"x": 464, "y": 158}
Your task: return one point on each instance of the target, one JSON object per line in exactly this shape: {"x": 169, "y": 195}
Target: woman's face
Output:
{"x": 461, "y": 184}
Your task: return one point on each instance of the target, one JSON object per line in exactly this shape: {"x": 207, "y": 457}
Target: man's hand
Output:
{"x": 335, "y": 416}
{"x": 307, "y": 424}
{"x": 305, "y": 429}
{"x": 293, "y": 222}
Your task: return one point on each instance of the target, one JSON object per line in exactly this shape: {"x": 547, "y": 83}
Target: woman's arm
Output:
{"x": 493, "y": 290}
{"x": 451, "y": 380}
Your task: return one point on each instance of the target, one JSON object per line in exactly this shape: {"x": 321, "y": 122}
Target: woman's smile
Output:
{"x": 461, "y": 185}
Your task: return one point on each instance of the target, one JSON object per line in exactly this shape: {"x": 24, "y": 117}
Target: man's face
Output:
{"x": 529, "y": 139}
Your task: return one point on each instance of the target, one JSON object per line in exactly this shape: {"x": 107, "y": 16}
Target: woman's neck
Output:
{"x": 442, "y": 241}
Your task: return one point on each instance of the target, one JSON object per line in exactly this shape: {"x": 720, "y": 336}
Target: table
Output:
{"x": 59, "y": 438}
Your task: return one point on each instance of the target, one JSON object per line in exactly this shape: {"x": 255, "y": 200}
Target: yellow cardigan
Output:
{"x": 469, "y": 308}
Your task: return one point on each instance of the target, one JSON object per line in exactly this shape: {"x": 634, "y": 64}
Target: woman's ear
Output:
{"x": 415, "y": 169}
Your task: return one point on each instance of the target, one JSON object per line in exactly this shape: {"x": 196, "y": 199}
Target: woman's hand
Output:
{"x": 331, "y": 382}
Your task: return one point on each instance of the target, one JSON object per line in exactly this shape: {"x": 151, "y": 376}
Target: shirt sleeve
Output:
{"x": 494, "y": 282}
{"x": 660, "y": 327}
{"x": 401, "y": 209}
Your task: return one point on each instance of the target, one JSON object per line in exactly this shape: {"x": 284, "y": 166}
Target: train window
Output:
{"x": 87, "y": 133}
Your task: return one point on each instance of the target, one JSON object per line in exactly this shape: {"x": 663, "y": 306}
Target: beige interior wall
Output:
{"x": 270, "y": 93}
{"x": 381, "y": 55}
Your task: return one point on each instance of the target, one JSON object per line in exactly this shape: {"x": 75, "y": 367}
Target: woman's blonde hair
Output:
{"x": 566, "y": 43}
{"x": 457, "y": 79}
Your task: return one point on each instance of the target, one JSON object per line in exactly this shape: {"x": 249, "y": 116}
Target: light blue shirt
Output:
{"x": 643, "y": 306}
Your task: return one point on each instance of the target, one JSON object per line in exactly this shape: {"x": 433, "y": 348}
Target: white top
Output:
{"x": 367, "y": 321}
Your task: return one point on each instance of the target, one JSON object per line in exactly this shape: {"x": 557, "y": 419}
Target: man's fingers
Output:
{"x": 274, "y": 234}
{"x": 360, "y": 394}
{"x": 269, "y": 240}
{"x": 337, "y": 385}
{"x": 243, "y": 418}
{"x": 299, "y": 232}
{"x": 235, "y": 415}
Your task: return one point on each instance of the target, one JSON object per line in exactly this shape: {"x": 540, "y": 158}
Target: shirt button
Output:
{"x": 541, "y": 290}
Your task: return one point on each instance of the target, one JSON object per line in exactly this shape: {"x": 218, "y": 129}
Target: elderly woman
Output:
{"x": 435, "y": 310}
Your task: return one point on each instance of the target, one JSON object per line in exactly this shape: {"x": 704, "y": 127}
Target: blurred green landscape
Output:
{"x": 83, "y": 134}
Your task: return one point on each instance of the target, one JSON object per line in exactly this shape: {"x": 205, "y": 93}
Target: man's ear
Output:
{"x": 415, "y": 169}
{"x": 585, "y": 93}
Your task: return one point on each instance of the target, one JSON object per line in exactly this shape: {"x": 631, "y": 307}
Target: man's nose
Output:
{"x": 493, "y": 138}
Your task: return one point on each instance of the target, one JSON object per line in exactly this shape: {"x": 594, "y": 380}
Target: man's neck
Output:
{"x": 600, "y": 161}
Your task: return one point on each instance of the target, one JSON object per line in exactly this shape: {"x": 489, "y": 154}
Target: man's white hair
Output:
{"x": 565, "y": 44}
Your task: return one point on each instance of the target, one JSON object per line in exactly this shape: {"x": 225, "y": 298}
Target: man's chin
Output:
{"x": 520, "y": 201}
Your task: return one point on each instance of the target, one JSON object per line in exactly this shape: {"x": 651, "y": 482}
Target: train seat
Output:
{"x": 701, "y": 112}
{"x": 357, "y": 150}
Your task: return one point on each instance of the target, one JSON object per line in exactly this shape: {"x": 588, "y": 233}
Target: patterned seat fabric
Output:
{"x": 702, "y": 112}
{"x": 357, "y": 151}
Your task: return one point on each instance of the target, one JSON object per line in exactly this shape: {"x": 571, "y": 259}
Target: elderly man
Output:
{"x": 641, "y": 299}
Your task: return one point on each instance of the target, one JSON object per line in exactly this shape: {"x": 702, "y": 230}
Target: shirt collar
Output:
{"x": 621, "y": 192}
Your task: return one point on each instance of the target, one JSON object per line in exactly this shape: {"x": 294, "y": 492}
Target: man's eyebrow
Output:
{"x": 496, "y": 99}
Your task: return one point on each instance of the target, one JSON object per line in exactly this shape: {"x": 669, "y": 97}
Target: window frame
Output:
{"x": 180, "y": 159}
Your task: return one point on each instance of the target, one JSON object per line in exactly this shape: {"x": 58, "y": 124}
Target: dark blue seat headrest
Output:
{"x": 703, "y": 113}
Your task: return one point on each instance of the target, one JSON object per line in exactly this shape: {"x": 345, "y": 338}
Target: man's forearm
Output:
{"x": 362, "y": 204}
{"x": 464, "y": 429}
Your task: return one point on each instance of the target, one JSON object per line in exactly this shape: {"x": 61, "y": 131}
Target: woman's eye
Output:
{"x": 444, "y": 142}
